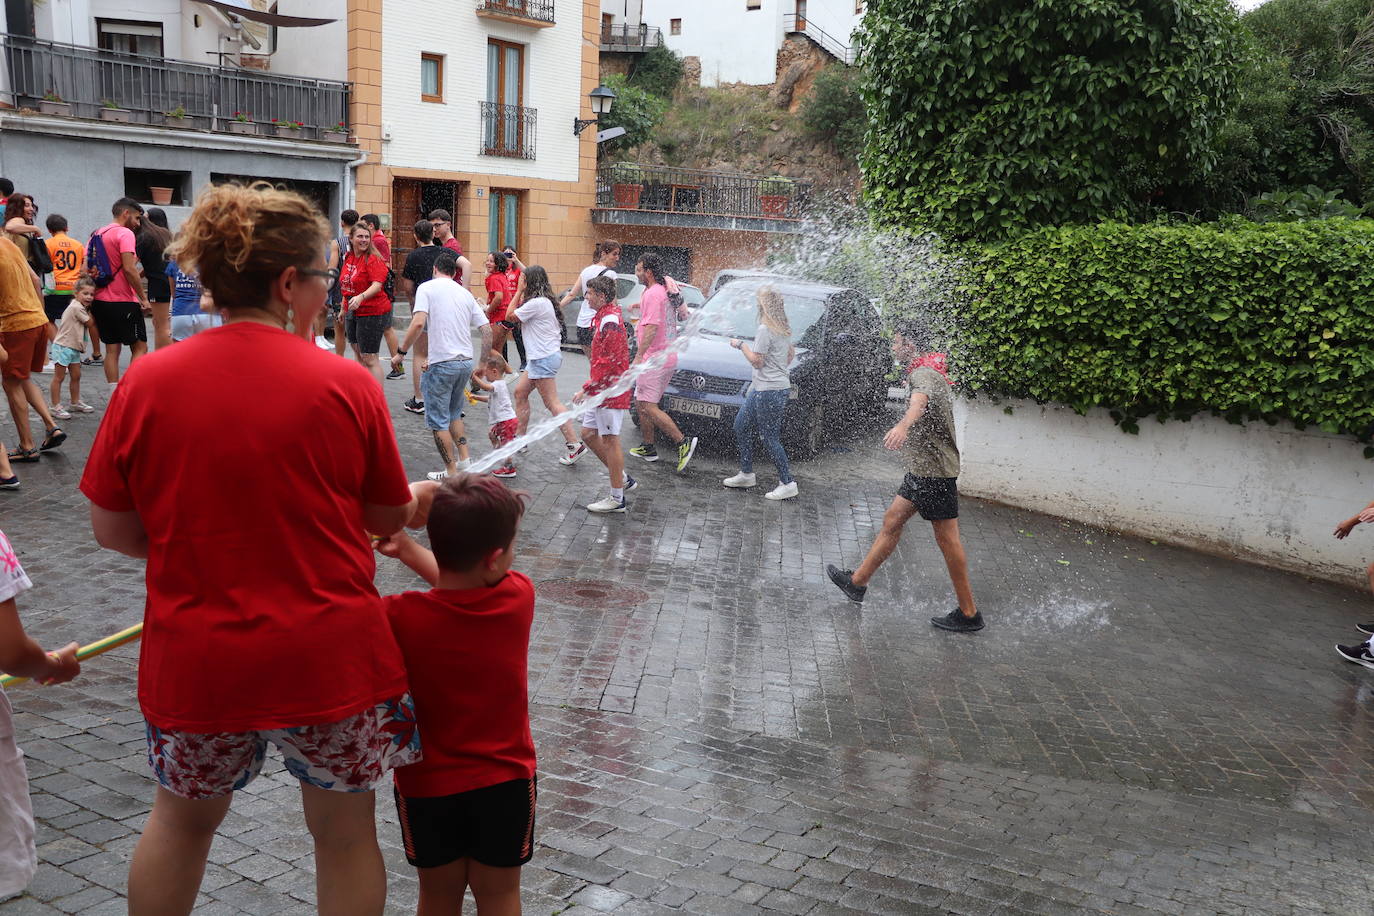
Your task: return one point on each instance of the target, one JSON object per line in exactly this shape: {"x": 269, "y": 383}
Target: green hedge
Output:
{"x": 1249, "y": 321}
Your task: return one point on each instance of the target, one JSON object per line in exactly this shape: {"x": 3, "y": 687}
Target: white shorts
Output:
{"x": 605, "y": 420}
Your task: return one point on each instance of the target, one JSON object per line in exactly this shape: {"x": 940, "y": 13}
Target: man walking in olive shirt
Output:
{"x": 925, "y": 436}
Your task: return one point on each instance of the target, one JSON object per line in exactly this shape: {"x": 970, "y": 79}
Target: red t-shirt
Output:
{"x": 513, "y": 282}
{"x": 248, "y": 453}
{"x": 382, "y": 245}
{"x": 356, "y": 275}
{"x": 452, "y": 245}
{"x": 467, "y": 653}
{"x": 497, "y": 283}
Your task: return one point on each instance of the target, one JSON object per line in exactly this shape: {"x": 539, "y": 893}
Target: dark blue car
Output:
{"x": 839, "y": 376}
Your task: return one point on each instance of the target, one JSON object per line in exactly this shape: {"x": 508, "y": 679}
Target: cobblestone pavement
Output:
{"x": 1140, "y": 728}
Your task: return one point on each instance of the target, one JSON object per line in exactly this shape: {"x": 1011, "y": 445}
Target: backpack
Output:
{"x": 98, "y": 262}
{"x": 389, "y": 285}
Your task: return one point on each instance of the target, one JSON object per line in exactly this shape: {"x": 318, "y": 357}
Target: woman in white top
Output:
{"x": 606, "y": 257}
{"x": 540, "y": 326}
{"x": 770, "y": 353}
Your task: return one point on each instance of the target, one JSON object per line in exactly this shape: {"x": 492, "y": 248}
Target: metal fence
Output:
{"x": 541, "y": 10}
{"x": 508, "y": 130}
{"x": 631, "y": 36}
{"x": 674, "y": 190}
{"x": 827, "y": 42}
{"x": 88, "y": 78}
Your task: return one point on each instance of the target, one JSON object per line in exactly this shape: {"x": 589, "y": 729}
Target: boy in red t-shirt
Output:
{"x": 467, "y": 808}
{"x": 610, "y": 359}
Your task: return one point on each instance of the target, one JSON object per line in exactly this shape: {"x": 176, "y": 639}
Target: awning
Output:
{"x": 243, "y": 10}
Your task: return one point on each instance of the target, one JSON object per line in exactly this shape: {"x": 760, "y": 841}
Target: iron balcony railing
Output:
{"x": 508, "y": 130}
{"x": 86, "y": 78}
{"x": 630, "y": 36}
{"x": 671, "y": 190}
{"x": 538, "y": 10}
{"x": 827, "y": 42}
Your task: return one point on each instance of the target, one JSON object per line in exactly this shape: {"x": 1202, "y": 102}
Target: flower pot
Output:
{"x": 169, "y": 121}
{"x": 56, "y": 108}
{"x": 242, "y": 127}
{"x": 335, "y": 136}
{"x": 291, "y": 133}
{"x": 161, "y": 196}
{"x": 774, "y": 204}
{"x": 627, "y": 195}
{"x": 115, "y": 114}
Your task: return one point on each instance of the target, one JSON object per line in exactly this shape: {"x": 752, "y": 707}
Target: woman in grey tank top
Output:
{"x": 770, "y": 354}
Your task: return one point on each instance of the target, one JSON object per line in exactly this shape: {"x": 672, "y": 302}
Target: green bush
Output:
{"x": 634, "y": 109}
{"x": 988, "y": 118}
{"x": 658, "y": 72}
{"x": 834, "y": 110}
{"x": 1270, "y": 321}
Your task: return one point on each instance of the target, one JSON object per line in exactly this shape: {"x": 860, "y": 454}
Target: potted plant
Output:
{"x": 161, "y": 196}
{"x": 339, "y": 133}
{"x": 774, "y": 195}
{"x": 291, "y": 129}
{"x": 242, "y": 123}
{"x": 110, "y": 111}
{"x": 175, "y": 118}
{"x": 52, "y": 104}
{"x": 627, "y": 184}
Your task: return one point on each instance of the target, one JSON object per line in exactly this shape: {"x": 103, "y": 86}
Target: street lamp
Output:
{"x": 601, "y": 104}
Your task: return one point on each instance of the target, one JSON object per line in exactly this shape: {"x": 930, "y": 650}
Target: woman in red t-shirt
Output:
{"x": 250, "y": 637}
{"x": 366, "y": 307}
{"x": 498, "y": 299}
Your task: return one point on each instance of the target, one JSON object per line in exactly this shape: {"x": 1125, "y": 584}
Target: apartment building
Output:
{"x": 472, "y": 108}
{"x": 101, "y": 99}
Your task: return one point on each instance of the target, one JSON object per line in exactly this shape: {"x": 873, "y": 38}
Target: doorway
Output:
{"x": 413, "y": 200}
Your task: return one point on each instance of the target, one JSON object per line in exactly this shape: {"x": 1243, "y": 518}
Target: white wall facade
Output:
{"x": 447, "y": 135}
{"x": 1269, "y": 494}
{"x": 736, "y": 44}
{"x": 624, "y": 11}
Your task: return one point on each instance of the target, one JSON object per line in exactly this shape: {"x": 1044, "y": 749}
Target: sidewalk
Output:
{"x": 1140, "y": 729}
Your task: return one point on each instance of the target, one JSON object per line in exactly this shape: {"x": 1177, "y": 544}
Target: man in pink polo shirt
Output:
{"x": 120, "y": 305}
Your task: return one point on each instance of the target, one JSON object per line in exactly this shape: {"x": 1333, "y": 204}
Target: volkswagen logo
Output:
{"x": 699, "y": 382}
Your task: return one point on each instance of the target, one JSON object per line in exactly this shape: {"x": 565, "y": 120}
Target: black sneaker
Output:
{"x": 398, "y": 372}
{"x": 1365, "y": 628}
{"x": 958, "y": 623}
{"x": 414, "y": 406}
{"x": 844, "y": 578}
{"x": 1360, "y": 654}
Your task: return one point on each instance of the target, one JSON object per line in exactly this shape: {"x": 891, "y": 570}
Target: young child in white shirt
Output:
{"x": 500, "y": 408}
{"x": 68, "y": 347}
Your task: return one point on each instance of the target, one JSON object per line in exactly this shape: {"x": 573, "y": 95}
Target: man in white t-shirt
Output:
{"x": 449, "y": 314}
{"x": 606, "y": 256}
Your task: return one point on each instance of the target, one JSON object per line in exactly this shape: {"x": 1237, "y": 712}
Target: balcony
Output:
{"x": 534, "y": 13}
{"x": 631, "y": 195}
{"x": 508, "y": 130}
{"x": 630, "y": 37}
{"x": 800, "y": 25}
{"x": 148, "y": 88}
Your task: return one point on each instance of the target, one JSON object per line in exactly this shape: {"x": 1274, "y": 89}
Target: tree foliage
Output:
{"x": 658, "y": 71}
{"x": 988, "y": 118}
{"x": 834, "y": 110}
{"x": 635, "y": 109}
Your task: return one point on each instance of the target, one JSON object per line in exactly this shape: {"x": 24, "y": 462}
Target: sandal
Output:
{"x": 23, "y": 454}
{"x": 55, "y": 438}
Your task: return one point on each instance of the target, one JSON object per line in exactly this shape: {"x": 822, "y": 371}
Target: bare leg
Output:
{"x": 350, "y": 877}
{"x": 443, "y": 441}
{"x": 19, "y": 410}
{"x": 169, "y": 860}
{"x": 647, "y": 427}
{"x": 548, "y": 393}
{"x": 657, "y": 419}
{"x": 162, "y": 324}
{"x": 441, "y": 889}
{"x": 75, "y": 369}
{"x": 5, "y": 470}
{"x": 947, "y": 539}
{"x": 521, "y": 397}
{"x": 136, "y": 349}
{"x": 58, "y": 373}
{"x": 418, "y": 355}
{"x": 374, "y": 365}
{"x": 894, "y": 520}
{"x": 392, "y": 344}
{"x": 340, "y": 335}
{"x": 496, "y": 890}
{"x": 34, "y": 394}
{"x": 460, "y": 439}
{"x": 112, "y": 352}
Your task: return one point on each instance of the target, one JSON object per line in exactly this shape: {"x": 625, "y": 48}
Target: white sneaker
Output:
{"x": 574, "y": 453}
{"x": 437, "y": 476}
{"x": 741, "y": 481}
{"x": 464, "y": 464}
{"x": 57, "y": 410}
{"x": 607, "y": 505}
{"x": 82, "y": 406}
{"x": 782, "y": 491}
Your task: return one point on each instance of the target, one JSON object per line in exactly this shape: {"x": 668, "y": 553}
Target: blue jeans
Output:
{"x": 762, "y": 412}
{"x": 444, "y": 386}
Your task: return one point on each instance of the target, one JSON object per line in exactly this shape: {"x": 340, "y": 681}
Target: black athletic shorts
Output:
{"x": 54, "y": 304}
{"x": 366, "y": 331}
{"x": 119, "y": 322}
{"x": 936, "y": 498}
{"x": 493, "y": 825}
{"x": 584, "y": 339}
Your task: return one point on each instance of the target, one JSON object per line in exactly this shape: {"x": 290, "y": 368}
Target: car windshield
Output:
{"x": 734, "y": 311}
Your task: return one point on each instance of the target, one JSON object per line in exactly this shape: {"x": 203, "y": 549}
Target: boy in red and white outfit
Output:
{"x": 500, "y": 408}
{"x": 610, "y": 359}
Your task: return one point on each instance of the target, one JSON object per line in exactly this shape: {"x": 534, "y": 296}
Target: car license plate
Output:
{"x": 695, "y": 408}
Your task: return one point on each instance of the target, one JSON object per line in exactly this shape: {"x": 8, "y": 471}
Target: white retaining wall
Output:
{"x": 1271, "y": 494}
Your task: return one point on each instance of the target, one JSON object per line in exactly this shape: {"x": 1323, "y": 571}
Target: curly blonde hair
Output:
{"x": 239, "y": 239}
{"x": 773, "y": 311}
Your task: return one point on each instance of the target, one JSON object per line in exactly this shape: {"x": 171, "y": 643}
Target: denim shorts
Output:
{"x": 65, "y": 356}
{"x": 544, "y": 366}
{"x": 444, "y": 387}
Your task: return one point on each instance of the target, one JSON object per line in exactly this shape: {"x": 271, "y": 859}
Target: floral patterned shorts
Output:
{"x": 353, "y": 755}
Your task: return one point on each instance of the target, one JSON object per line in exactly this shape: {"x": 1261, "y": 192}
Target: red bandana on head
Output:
{"x": 937, "y": 361}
